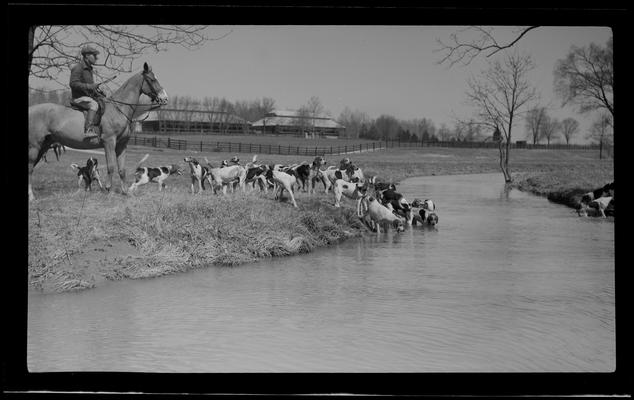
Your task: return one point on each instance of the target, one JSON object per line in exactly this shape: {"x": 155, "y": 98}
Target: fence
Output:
{"x": 258, "y": 148}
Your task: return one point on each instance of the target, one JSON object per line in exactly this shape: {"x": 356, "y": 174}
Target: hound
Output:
{"x": 399, "y": 203}
{"x": 380, "y": 187}
{"x": 144, "y": 175}
{"x": 354, "y": 191}
{"x": 88, "y": 174}
{"x": 422, "y": 211}
{"x": 315, "y": 173}
{"x": 199, "y": 174}
{"x": 600, "y": 204}
{"x": 257, "y": 174}
{"x": 224, "y": 176}
{"x": 379, "y": 214}
{"x": 285, "y": 180}
{"x": 588, "y": 198}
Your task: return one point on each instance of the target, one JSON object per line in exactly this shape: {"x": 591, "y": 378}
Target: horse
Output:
{"x": 55, "y": 123}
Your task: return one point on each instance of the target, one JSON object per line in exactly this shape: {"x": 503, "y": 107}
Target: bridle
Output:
{"x": 153, "y": 97}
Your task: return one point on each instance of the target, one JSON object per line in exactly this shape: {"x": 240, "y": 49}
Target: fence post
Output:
{"x": 169, "y": 143}
{"x": 345, "y": 149}
{"x": 330, "y": 150}
{"x": 201, "y": 146}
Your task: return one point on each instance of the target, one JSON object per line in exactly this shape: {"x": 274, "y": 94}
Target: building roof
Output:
{"x": 196, "y": 116}
{"x": 291, "y": 118}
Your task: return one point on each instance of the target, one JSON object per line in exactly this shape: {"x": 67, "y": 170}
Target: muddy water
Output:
{"x": 506, "y": 282}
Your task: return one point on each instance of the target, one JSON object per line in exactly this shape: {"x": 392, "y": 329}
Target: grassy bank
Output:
{"x": 79, "y": 240}
{"x": 110, "y": 237}
{"x": 565, "y": 185}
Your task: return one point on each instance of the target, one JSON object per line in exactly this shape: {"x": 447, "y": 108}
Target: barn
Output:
{"x": 289, "y": 122}
{"x": 173, "y": 121}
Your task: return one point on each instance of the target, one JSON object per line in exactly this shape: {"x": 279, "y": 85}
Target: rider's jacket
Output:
{"x": 81, "y": 80}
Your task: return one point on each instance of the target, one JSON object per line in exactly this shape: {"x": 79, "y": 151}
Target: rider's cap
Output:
{"x": 89, "y": 50}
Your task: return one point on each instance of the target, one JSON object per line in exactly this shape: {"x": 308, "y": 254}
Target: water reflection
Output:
{"x": 505, "y": 282}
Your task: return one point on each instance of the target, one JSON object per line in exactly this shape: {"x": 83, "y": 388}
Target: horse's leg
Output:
{"x": 120, "y": 151}
{"x": 111, "y": 160}
{"x": 35, "y": 155}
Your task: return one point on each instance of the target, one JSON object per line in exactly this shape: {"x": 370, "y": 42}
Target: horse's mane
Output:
{"x": 125, "y": 84}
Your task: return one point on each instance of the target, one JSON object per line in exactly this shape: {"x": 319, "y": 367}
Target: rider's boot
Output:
{"x": 90, "y": 130}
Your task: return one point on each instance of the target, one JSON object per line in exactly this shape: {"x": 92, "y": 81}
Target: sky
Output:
{"x": 391, "y": 70}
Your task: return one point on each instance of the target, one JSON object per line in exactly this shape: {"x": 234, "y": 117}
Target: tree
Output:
{"x": 387, "y": 127}
{"x": 444, "y": 133}
{"x": 463, "y": 48}
{"x": 54, "y": 49}
{"x": 353, "y": 121}
{"x": 550, "y": 128}
{"x": 312, "y": 109}
{"x": 601, "y": 132}
{"x": 499, "y": 96}
{"x": 569, "y": 127}
{"x": 586, "y": 78}
{"x": 534, "y": 122}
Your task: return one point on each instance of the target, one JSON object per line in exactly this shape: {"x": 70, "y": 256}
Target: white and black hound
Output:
{"x": 423, "y": 211}
{"x": 591, "y": 199}
{"x": 143, "y": 175}
{"x": 355, "y": 191}
{"x": 199, "y": 174}
{"x": 88, "y": 174}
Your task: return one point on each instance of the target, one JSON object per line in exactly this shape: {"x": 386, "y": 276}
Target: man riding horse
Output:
{"x": 84, "y": 91}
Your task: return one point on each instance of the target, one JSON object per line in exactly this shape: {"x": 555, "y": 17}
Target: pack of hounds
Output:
{"x": 378, "y": 203}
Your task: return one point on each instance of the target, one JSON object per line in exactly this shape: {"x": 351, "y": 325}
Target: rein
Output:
{"x": 133, "y": 105}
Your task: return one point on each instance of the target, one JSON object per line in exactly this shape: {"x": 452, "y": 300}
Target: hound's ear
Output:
{"x": 146, "y": 68}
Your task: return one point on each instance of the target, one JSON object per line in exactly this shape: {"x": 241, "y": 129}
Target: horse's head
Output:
{"x": 151, "y": 86}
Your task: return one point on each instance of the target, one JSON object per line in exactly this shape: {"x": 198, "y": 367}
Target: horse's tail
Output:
{"x": 141, "y": 162}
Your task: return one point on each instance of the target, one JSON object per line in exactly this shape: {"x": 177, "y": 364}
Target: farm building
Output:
{"x": 174, "y": 121}
{"x": 291, "y": 122}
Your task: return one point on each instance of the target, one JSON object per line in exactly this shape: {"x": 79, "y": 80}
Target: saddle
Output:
{"x": 102, "y": 107}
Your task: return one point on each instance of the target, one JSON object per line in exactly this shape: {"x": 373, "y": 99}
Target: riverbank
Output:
{"x": 111, "y": 237}
{"x": 79, "y": 240}
{"x": 564, "y": 185}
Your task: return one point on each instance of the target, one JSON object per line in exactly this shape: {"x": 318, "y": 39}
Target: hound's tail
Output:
{"x": 141, "y": 162}
{"x": 75, "y": 167}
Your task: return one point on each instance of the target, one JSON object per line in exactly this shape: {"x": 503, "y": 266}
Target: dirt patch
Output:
{"x": 90, "y": 267}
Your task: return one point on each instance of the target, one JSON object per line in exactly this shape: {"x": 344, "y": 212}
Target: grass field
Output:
{"x": 78, "y": 239}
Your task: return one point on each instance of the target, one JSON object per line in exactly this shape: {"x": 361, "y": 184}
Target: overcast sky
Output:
{"x": 375, "y": 69}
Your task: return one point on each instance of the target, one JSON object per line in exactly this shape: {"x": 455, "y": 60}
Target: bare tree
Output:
{"x": 353, "y": 121}
{"x": 601, "y": 132}
{"x": 468, "y": 43}
{"x": 550, "y": 128}
{"x": 586, "y": 78}
{"x": 534, "y": 121}
{"x": 499, "y": 96}
{"x": 569, "y": 127}
{"x": 314, "y": 108}
{"x": 443, "y": 132}
{"x": 54, "y": 49}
